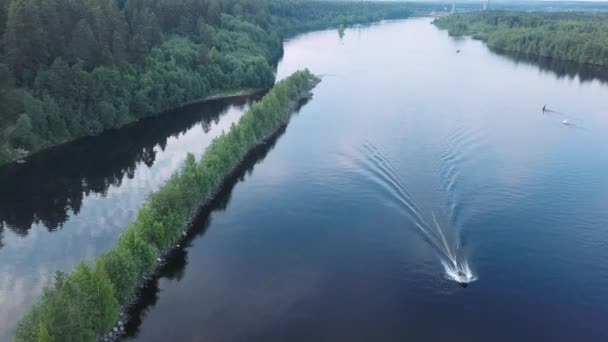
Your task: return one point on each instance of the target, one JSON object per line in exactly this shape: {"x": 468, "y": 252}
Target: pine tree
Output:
{"x": 3, "y": 9}
{"x": 23, "y": 136}
{"x": 84, "y": 45}
{"x": 105, "y": 298}
{"x": 51, "y": 17}
{"x": 138, "y": 49}
{"x": 24, "y": 39}
{"x": 119, "y": 48}
{"x": 6, "y": 80}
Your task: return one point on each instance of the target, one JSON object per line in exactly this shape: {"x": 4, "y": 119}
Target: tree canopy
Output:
{"x": 74, "y": 68}
{"x": 572, "y": 36}
{"x": 85, "y": 304}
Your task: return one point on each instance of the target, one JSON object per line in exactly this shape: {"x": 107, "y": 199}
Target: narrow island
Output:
{"x": 90, "y": 302}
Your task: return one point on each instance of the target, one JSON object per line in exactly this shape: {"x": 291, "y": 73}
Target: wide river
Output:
{"x": 411, "y": 166}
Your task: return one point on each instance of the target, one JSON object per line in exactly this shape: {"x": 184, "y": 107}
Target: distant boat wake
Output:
{"x": 447, "y": 245}
{"x": 573, "y": 123}
{"x": 569, "y": 120}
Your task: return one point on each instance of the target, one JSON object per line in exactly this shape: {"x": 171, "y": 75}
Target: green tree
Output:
{"x": 105, "y": 299}
{"x": 6, "y": 80}
{"x": 119, "y": 48}
{"x": 79, "y": 67}
{"x": 84, "y": 45}
{"x": 43, "y": 334}
{"x": 24, "y": 39}
{"x": 85, "y": 303}
{"x": 51, "y": 17}
{"x": 138, "y": 49}
{"x": 122, "y": 272}
{"x": 23, "y": 136}
{"x": 579, "y": 37}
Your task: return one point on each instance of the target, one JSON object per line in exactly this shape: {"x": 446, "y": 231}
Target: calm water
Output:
{"x": 409, "y": 155}
{"x": 72, "y": 202}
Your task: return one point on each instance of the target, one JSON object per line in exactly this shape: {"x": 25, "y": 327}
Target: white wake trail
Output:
{"x": 449, "y": 249}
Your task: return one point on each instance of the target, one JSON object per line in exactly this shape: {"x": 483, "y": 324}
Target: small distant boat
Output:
{"x": 566, "y": 122}
{"x": 457, "y": 51}
{"x": 20, "y": 161}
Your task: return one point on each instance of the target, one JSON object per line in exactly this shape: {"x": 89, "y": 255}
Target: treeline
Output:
{"x": 30, "y": 197}
{"x": 85, "y": 304}
{"x": 297, "y": 16}
{"x": 573, "y": 36}
{"x": 74, "y": 68}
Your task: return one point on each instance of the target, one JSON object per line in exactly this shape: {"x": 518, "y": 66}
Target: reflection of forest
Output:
{"x": 562, "y": 69}
{"x": 52, "y": 183}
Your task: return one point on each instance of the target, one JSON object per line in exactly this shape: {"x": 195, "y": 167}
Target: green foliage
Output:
{"x": 572, "y": 36}
{"x": 5, "y": 154}
{"x": 295, "y": 16}
{"x": 80, "y": 306}
{"x": 122, "y": 271}
{"x": 85, "y": 303}
{"x": 43, "y": 334}
{"x": 23, "y": 135}
{"x": 78, "y": 68}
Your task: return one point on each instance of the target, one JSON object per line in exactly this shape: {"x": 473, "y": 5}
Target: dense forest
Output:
{"x": 572, "y": 36}
{"x": 86, "y": 303}
{"x": 74, "y": 68}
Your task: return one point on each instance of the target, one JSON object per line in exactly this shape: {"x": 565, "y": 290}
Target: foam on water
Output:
{"x": 458, "y": 272}
{"x": 447, "y": 245}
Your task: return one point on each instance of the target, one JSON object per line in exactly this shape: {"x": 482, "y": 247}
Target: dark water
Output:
{"x": 320, "y": 242}
{"x": 409, "y": 154}
{"x": 72, "y": 202}
{"x": 562, "y": 69}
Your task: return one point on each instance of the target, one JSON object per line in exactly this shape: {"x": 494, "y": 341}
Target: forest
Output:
{"x": 75, "y": 68}
{"x": 86, "y": 303}
{"x": 570, "y": 36}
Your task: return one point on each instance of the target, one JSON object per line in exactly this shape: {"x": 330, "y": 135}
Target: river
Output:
{"x": 410, "y": 162}
{"x": 72, "y": 202}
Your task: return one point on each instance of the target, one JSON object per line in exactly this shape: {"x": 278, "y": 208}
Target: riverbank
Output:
{"x": 579, "y": 37}
{"x": 77, "y": 90}
{"x": 87, "y": 302}
{"x": 19, "y": 155}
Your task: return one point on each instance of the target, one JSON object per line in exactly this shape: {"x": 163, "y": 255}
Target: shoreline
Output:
{"x": 23, "y": 157}
{"x": 164, "y": 222}
{"x": 483, "y": 37}
{"x": 117, "y": 332}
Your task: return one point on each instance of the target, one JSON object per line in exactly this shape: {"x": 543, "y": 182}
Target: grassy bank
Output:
{"x": 86, "y": 303}
{"x": 570, "y": 36}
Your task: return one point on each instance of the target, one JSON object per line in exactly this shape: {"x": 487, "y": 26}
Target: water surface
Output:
{"x": 71, "y": 202}
{"x": 334, "y": 236}
{"x": 336, "y": 231}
